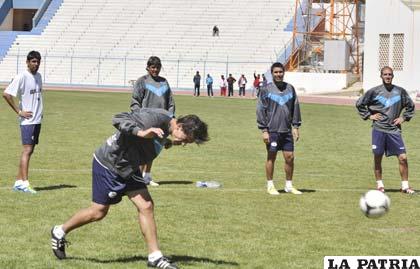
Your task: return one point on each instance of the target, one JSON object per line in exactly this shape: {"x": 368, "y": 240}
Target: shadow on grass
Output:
{"x": 175, "y": 182}
{"x": 395, "y": 190}
{"x": 174, "y": 258}
{"x": 55, "y": 187}
{"x": 302, "y": 190}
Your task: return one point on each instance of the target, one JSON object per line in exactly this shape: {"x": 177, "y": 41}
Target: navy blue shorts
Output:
{"x": 390, "y": 144}
{"x": 280, "y": 141}
{"x": 30, "y": 134}
{"x": 108, "y": 188}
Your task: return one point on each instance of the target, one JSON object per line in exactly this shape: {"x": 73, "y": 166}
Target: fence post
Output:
{"x": 227, "y": 66}
{"x": 177, "y": 75}
{"x": 45, "y": 68}
{"x": 17, "y": 60}
{"x": 99, "y": 68}
{"x": 125, "y": 70}
{"x": 204, "y": 74}
{"x": 71, "y": 69}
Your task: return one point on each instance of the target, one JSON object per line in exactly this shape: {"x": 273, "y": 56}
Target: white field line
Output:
{"x": 188, "y": 189}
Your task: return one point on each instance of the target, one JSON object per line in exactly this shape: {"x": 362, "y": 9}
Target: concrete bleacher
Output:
{"x": 107, "y": 42}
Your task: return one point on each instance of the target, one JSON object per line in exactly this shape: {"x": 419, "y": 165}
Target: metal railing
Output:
{"x": 104, "y": 71}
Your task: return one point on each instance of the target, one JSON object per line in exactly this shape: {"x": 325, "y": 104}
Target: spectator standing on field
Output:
{"x": 209, "y": 82}
{"x": 223, "y": 85}
{"x": 256, "y": 85}
{"x": 197, "y": 81}
{"x": 152, "y": 91}
{"x": 27, "y": 87}
{"x": 230, "y": 80}
{"x": 242, "y": 84}
{"x": 263, "y": 83}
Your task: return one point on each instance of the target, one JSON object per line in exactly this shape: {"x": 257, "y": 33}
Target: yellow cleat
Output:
{"x": 272, "y": 191}
{"x": 292, "y": 190}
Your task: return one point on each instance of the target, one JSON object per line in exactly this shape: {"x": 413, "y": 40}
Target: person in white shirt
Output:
{"x": 27, "y": 87}
{"x": 223, "y": 85}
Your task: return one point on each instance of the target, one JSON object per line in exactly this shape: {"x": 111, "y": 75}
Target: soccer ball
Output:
{"x": 374, "y": 204}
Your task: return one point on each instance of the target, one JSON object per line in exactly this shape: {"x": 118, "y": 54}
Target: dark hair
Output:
{"x": 33, "y": 55}
{"x": 155, "y": 61}
{"x": 276, "y": 64}
{"x": 194, "y": 128}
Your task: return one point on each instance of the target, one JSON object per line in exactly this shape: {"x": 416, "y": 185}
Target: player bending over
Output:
{"x": 139, "y": 138}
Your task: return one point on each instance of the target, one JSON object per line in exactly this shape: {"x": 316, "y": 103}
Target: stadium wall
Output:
{"x": 310, "y": 83}
{"x": 392, "y": 37}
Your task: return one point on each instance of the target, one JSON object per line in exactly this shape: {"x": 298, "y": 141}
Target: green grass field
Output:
{"x": 237, "y": 226}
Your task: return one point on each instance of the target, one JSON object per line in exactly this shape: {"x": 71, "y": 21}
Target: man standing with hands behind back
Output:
{"x": 152, "y": 91}
{"x": 278, "y": 117}
{"x": 27, "y": 87}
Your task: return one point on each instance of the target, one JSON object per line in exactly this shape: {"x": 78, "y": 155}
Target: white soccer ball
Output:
{"x": 374, "y": 204}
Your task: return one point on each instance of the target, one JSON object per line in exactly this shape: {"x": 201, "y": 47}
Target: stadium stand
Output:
{"x": 106, "y": 42}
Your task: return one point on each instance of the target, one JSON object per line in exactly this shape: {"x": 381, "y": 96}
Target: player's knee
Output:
{"x": 28, "y": 151}
{"x": 289, "y": 159}
{"x": 98, "y": 214}
{"x": 146, "y": 207}
{"x": 402, "y": 159}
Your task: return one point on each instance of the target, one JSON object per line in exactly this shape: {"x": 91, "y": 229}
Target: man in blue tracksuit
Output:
{"x": 209, "y": 82}
{"x": 278, "y": 117}
{"x": 152, "y": 91}
{"x": 383, "y": 105}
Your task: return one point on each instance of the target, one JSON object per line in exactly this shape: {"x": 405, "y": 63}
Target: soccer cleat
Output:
{"x": 162, "y": 262}
{"x": 25, "y": 189}
{"x": 408, "y": 191}
{"x": 58, "y": 245}
{"x": 292, "y": 190}
{"x": 272, "y": 190}
{"x": 153, "y": 183}
{"x": 381, "y": 189}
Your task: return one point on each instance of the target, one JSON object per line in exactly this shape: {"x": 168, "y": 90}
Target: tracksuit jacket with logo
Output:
{"x": 124, "y": 151}
{"x": 152, "y": 93}
{"x": 389, "y": 104}
{"x": 278, "y": 110}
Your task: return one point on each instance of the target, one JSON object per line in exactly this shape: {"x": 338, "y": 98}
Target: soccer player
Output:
{"x": 140, "y": 136}
{"x": 383, "y": 105}
{"x": 278, "y": 116}
{"x": 27, "y": 87}
{"x": 152, "y": 91}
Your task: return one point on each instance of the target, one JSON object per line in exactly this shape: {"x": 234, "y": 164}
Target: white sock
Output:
{"x": 25, "y": 183}
{"x": 58, "y": 231}
{"x": 154, "y": 256}
{"x": 404, "y": 184}
{"x": 18, "y": 182}
{"x": 380, "y": 184}
{"x": 147, "y": 177}
{"x": 270, "y": 183}
{"x": 289, "y": 184}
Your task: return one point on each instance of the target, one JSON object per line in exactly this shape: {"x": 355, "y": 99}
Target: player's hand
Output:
{"x": 295, "y": 132}
{"x": 25, "y": 114}
{"x": 375, "y": 117}
{"x": 398, "y": 121}
{"x": 266, "y": 137}
{"x": 150, "y": 133}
